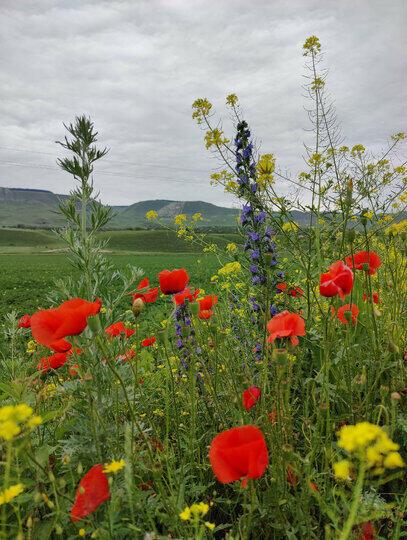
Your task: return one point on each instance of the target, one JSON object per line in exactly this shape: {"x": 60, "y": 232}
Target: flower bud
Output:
{"x": 137, "y": 306}
{"x": 395, "y": 396}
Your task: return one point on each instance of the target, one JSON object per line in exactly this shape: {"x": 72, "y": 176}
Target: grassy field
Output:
{"x": 158, "y": 241}
{"x": 27, "y": 279}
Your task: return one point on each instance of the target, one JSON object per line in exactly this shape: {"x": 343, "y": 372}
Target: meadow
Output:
{"x": 254, "y": 388}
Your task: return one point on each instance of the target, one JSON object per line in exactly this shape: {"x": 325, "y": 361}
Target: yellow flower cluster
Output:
{"x": 197, "y": 217}
{"x": 231, "y": 247}
{"x": 371, "y": 444}
{"x": 312, "y": 45}
{"x": 114, "y": 466}
{"x": 31, "y": 346}
{"x": 15, "y": 418}
{"x": 215, "y": 137}
{"x": 151, "y": 215}
{"x": 231, "y": 100}
{"x": 317, "y": 83}
{"x": 290, "y": 226}
{"x": 202, "y": 108}
{"x": 195, "y": 512}
{"x": 180, "y": 219}
{"x": 230, "y": 269}
{"x": 10, "y": 493}
{"x": 358, "y": 149}
{"x": 397, "y": 229}
{"x": 265, "y": 168}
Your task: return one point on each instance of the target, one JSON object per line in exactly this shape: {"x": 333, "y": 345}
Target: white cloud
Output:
{"x": 136, "y": 66}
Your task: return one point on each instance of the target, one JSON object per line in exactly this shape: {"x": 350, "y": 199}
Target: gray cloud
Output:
{"x": 136, "y": 66}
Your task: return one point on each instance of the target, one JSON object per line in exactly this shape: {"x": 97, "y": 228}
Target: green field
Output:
{"x": 158, "y": 241}
{"x": 27, "y": 279}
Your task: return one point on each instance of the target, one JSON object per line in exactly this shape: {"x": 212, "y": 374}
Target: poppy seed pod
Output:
{"x": 137, "y": 306}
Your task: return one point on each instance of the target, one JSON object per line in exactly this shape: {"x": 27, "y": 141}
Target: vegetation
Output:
{"x": 140, "y": 406}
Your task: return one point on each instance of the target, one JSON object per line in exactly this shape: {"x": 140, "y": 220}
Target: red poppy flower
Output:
{"x": 148, "y": 297}
{"x": 118, "y": 328}
{"x": 50, "y": 326}
{"x": 205, "y": 306}
{"x": 250, "y": 397}
{"x": 186, "y": 294}
{"x": 147, "y": 342}
{"x": 239, "y": 453}
{"x": 128, "y": 355}
{"x": 286, "y": 324}
{"x": 348, "y": 313}
{"x": 338, "y": 280}
{"x": 174, "y": 281}
{"x": 281, "y": 286}
{"x": 369, "y": 261}
{"x": 375, "y": 297}
{"x": 367, "y": 531}
{"x": 24, "y": 321}
{"x": 73, "y": 370}
{"x": 296, "y": 291}
{"x": 92, "y": 491}
{"x": 144, "y": 283}
{"x": 54, "y": 361}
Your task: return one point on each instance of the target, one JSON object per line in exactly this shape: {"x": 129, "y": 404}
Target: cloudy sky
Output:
{"x": 136, "y": 67}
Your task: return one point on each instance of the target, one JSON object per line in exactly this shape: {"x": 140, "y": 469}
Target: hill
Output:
{"x": 39, "y": 209}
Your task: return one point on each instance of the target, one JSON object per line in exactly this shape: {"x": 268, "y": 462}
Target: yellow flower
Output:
{"x": 114, "y": 466}
{"x": 31, "y": 346}
{"x": 311, "y": 45}
{"x": 342, "y": 469}
{"x": 11, "y": 493}
{"x": 231, "y": 247}
{"x": 265, "y": 168}
{"x": 9, "y": 429}
{"x": 82, "y": 532}
{"x": 230, "y": 268}
{"x": 231, "y": 100}
{"x": 290, "y": 226}
{"x": 393, "y": 460}
{"x": 185, "y": 515}
{"x": 215, "y": 137}
{"x": 34, "y": 421}
{"x": 210, "y": 525}
{"x": 371, "y": 444}
{"x": 357, "y": 149}
{"x": 197, "y": 217}
{"x": 202, "y": 108}
{"x": 369, "y": 214}
{"x": 151, "y": 215}
{"x": 180, "y": 219}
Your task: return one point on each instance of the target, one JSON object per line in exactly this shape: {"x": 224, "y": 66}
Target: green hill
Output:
{"x": 35, "y": 208}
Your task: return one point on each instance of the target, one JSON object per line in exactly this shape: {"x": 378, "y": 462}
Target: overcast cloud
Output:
{"x": 136, "y": 66}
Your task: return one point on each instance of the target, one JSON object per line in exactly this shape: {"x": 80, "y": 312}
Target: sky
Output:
{"x": 135, "y": 67}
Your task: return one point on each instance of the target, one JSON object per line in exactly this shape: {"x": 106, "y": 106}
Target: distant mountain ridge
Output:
{"x": 21, "y": 207}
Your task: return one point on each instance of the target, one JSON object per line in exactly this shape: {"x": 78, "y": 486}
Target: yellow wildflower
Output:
{"x": 210, "y": 525}
{"x": 290, "y": 226}
{"x": 180, "y": 219}
{"x": 312, "y": 45}
{"x": 357, "y": 149}
{"x": 231, "y": 247}
{"x": 197, "y": 216}
{"x": 185, "y": 515}
{"x": 202, "y": 108}
{"x": 230, "y": 268}
{"x": 231, "y": 100}
{"x": 82, "y": 532}
{"x": 342, "y": 469}
{"x": 114, "y": 466}
{"x": 11, "y": 493}
{"x": 151, "y": 215}
{"x": 215, "y": 137}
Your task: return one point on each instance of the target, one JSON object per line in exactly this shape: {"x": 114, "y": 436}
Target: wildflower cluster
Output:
{"x": 371, "y": 445}
{"x": 16, "y": 419}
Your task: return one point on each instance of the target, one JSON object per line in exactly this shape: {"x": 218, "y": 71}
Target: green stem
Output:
{"x": 355, "y": 503}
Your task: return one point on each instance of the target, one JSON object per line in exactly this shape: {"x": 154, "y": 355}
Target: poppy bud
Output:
{"x": 280, "y": 356}
{"x": 393, "y": 347}
{"x": 137, "y": 306}
{"x": 395, "y": 396}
